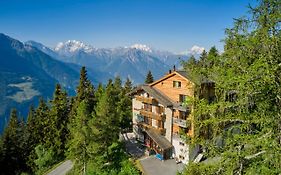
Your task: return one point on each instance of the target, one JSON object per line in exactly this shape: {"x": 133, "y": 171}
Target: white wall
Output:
{"x": 181, "y": 150}
{"x": 168, "y": 124}
{"x": 136, "y": 105}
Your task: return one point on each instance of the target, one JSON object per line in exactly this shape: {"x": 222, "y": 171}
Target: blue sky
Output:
{"x": 172, "y": 25}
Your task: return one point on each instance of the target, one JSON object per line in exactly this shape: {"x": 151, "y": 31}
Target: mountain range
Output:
{"x": 132, "y": 62}
{"x": 30, "y": 70}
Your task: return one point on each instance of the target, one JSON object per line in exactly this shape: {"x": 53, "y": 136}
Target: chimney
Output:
{"x": 170, "y": 71}
{"x": 174, "y": 68}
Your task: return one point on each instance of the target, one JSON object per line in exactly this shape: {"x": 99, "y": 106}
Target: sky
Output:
{"x": 170, "y": 25}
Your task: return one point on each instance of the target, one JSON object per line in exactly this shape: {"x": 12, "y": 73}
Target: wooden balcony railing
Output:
{"x": 147, "y": 100}
{"x": 152, "y": 115}
{"x": 181, "y": 122}
{"x": 145, "y": 126}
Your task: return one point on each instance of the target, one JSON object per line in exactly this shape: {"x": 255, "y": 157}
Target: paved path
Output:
{"x": 62, "y": 169}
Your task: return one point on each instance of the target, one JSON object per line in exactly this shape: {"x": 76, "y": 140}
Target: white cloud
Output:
{"x": 196, "y": 50}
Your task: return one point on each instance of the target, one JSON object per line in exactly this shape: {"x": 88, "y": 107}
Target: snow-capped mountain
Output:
{"x": 142, "y": 47}
{"x": 133, "y": 61}
{"x": 71, "y": 47}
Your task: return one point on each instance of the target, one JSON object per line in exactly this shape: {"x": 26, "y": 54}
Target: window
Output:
{"x": 182, "y": 98}
{"x": 176, "y": 84}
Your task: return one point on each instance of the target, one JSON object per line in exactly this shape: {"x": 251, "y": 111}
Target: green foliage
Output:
{"x": 80, "y": 135}
{"x": 46, "y": 158}
{"x": 41, "y": 126}
{"x": 85, "y": 90}
{"x": 247, "y": 125}
{"x": 58, "y": 120}
{"x": 12, "y": 150}
{"x": 128, "y": 87}
{"x": 149, "y": 78}
{"x": 85, "y": 127}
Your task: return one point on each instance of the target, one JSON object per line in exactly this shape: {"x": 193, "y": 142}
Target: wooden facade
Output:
{"x": 166, "y": 86}
{"x": 164, "y": 113}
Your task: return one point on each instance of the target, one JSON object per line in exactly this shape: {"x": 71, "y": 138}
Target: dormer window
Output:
{"x": 176, "y": 84}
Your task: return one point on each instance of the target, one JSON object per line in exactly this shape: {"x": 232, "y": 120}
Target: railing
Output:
{"x": 152, "y": 115}
{"x": 158, "y": 130}
{"x": 180, "y": 122}
{"x": 148, "y": 100}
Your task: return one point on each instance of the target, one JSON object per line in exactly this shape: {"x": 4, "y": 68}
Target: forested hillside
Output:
{"x": 84, "y": 128}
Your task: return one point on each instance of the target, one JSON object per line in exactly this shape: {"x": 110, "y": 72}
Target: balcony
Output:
{"x": 147, "y": 100}
{"x": 145, "y": 126}
{"x": 181, "y": 122}
{"x": 152, "y": 115}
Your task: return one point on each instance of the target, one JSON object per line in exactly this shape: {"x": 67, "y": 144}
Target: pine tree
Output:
{"x": 85, "y": 90}
{"x": 58, "y": 120}
{"x": 31, "y": 138}
{"x": 124, "y": 107}
{"x": 11, "y": 151}
{"x": 104, "y": 126}
{"x": 99, "y": 91}
{"x": 128, "y": 86}
{"x": 190, "y": 64}
{"x": 42, "y": 123}
{"x": 81, "y": 114}
{"x": 118, "y": 83}
{"x": 80, "y": 136}
{"x": 149, "y": 78}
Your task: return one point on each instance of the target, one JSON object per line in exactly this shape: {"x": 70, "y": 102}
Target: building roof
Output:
{"x": 160, "y": 97}
{"x": 183, "y": 74}
{"x": 161, "y": 141}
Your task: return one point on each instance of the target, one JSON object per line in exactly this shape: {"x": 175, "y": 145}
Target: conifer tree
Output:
{"x": 99, "y": 92}
{"x": 11, "y": 151}
{"x": 149, "y": 78}
{"x": 81, "y": 114}
{"x": 31, "y": 137}
{"x": 85, "y": 90}
{"x": 80, "y": 137}
{"x": 41, "y": 119}
{"x": 128, "y": 86}
{"x": 190, "y": 64}
{"x": 104, "y": 126}
{"x": 117, "y": 83}
{"x": 58, "y": 119}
